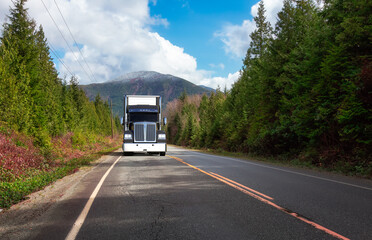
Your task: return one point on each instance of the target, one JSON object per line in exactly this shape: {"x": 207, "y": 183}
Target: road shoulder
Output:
{"x": 21, "y": 220}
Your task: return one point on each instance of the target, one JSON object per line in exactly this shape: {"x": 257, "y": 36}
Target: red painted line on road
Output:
{"x": 293, "y": 214}
{"x": 241, "y": 185}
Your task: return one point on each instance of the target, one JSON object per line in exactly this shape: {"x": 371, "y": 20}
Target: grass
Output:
{"x": 17, "y": 190}
{"x": 25, "y": 168}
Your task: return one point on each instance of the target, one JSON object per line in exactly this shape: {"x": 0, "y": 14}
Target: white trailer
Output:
{"x": 143, "y": 124}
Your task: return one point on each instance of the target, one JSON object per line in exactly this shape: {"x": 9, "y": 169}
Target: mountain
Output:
{"x": 209, "y": 89}
{"x": 142, "y": 83}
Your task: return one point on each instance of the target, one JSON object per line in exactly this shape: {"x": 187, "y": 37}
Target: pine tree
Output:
{"x": 345, "y": 87}
{"x": 260, "y": 37}
{"x": 77, "y": 95}
{"x": 20, "y": 32}
{"x": 15, "y": 100}
{"x": 69, "y": 112}
{"x": 33, "y": 53}
{"x": 256, "y": 83}
{"x": 299, "y": 72}
{"x": 17, "y": 52}
{"x": 32, "y": 97}
{"x": 49, "y": 86}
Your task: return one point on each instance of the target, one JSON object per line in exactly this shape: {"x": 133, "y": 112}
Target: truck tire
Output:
{"x": 162, "y": 154}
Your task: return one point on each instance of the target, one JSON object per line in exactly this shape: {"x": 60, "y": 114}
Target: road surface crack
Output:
{"x": 131, "y": 197}
{"x": 158, "y": 224}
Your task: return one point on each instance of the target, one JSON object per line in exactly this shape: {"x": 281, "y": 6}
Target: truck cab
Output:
{"x": 143, "y": 125}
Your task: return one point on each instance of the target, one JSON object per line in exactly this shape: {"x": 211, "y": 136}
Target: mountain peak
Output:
{"x": 142, "y": 75}
{"x": 142, "y": 83}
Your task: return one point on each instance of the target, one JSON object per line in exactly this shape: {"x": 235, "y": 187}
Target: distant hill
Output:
{"x": 142, "y": 83}
{"x": 209, "y": 89}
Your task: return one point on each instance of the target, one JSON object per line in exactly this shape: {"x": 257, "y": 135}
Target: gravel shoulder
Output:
{"x": 19, "y": 221}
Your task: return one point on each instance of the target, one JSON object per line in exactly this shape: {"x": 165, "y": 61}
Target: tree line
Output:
{"x": 33, "y": 99}
{"x": 305, "y": 90}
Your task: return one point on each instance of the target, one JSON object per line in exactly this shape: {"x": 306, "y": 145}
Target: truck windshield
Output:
{"x": 143, "y": 117}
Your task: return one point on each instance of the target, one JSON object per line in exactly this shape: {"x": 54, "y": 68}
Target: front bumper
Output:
{"x": 144, "y": 147}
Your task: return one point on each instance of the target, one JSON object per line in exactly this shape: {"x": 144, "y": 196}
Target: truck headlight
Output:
{"x": 161, "y": 136}
{"x": 128, "y": 136}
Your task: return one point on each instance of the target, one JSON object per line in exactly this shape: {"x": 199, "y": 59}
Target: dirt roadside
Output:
{"x": 19, "y": 221}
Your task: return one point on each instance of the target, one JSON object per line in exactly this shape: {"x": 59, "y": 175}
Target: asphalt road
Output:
{"x": 190, "y": 195}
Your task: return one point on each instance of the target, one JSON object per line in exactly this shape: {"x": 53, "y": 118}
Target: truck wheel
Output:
{"x": 162, "y": 154}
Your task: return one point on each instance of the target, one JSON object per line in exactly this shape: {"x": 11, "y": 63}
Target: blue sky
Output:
{"x": 201, "y": 41}
{"x": 193, "y": 24}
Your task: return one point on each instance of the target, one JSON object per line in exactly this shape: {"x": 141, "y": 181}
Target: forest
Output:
{"x": 305, "y": 91}
{"x": 48, "y": 126}
{"x": 33, "y": 99}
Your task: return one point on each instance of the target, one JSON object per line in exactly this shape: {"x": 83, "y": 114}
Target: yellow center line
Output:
{"x": 220, "y": 178}
{"x": 241, "y": 185}
{"x": 227, "y": 181}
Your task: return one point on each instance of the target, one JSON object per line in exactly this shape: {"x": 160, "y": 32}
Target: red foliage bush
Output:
{"x": 62, "y": 147}
{"x": 17, "y": 154}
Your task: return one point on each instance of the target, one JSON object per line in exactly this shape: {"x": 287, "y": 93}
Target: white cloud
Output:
{"x": 236, "y": 37}
{"x": 115, "y": 38}
{"x": 221, "y": 82}
{"x": 272, "y": 8}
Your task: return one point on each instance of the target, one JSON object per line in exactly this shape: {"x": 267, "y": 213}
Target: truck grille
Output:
{"x": 145, "y": 132}
{"x": 139, "y": 132}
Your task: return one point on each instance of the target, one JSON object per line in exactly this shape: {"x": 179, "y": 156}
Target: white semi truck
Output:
{"x": 143, "y": 124}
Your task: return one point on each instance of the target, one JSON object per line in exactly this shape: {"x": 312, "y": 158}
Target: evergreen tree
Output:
{"x": 20, "y": 32}
{"x": 345, "y": 89}
{"x": 253, "y": 94}
{"x": 69, "y": 112}
{"x": 15, "y": 100}
{"x": 305, "y": 91}
{"x": 33, "y": 99}
{"x": 49, "y": 86}
{"x": 299, "y": 73}
{"x": 17, "y": 52}
{"x": 260, "y": 37}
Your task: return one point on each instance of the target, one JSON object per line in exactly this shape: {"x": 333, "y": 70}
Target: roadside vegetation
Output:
{"x": 48, "y": 127}
{"x": 26, "y": 168}
{"x": 304, "y": 94}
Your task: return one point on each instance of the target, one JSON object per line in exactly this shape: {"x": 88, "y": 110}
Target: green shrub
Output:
{"x": 16, "y": 191}
{"x": 78, "y": 140}
{"x": 42, "y": 139}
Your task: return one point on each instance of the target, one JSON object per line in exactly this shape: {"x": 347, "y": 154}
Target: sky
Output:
{"x": 201, "y": 41}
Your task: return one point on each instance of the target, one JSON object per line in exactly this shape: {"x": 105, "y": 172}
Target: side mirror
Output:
{"x": 121, "y": 121}
{"x": 165, "y": 121}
